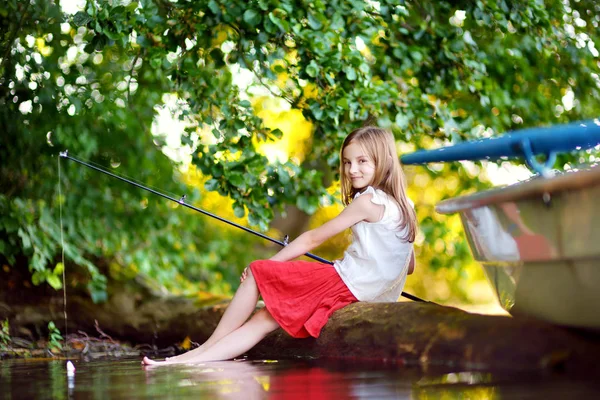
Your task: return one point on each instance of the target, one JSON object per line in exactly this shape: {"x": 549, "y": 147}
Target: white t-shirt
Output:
{"x": 375, "y": 265}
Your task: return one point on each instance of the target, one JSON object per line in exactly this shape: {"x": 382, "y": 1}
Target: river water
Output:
{"x": 270, "y": 379}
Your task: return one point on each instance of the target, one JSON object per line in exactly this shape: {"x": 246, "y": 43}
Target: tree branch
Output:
{"x": 247, "y": 64}
{"x": 137, "y": 56}
{"x": 265, "y": 85}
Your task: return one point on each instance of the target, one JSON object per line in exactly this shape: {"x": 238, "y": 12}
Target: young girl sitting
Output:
{"x": 300, "y": 296}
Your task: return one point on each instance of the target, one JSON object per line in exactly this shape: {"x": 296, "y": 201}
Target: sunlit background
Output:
{"x": 170, "y": 121}
{"x": 433, "y": 283}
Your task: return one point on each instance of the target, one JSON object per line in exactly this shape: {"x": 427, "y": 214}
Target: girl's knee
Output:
{"x": 266, "y": 320}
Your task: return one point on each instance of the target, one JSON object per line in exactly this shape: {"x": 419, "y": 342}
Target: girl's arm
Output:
{"x": 359, "y": 210}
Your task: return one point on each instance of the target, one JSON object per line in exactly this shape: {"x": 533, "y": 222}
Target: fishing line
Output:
{"x": 182, "y": 202}
{"x": 62, "y": 255}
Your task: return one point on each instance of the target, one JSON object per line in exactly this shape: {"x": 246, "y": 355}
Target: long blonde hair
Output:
{"x": 380, "y": 147}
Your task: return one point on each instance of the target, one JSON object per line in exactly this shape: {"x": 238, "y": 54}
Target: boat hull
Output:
{"x": 539, "y": 244}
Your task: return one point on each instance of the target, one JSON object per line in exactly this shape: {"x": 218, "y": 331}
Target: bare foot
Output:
{"x": 147, "y": 361}
{"x": 190, "y": 355}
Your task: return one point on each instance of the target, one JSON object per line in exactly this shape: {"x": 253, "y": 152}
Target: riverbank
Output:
{"x": 415, "y": 334}
{"x": 76, "y": 346}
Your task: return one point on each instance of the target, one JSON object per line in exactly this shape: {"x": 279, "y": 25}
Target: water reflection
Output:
{"x": 499, "y": 233}
{"x": 243, "y": 379}
{"x": 508, "y": 239}
{"x": 278, "y": 380}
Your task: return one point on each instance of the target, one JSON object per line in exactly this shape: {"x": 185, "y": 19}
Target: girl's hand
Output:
{"x": 244, "y": 275}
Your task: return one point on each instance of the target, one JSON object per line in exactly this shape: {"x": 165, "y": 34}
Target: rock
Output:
{"x": 427, "y": 335}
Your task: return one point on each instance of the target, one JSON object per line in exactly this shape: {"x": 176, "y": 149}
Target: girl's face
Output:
{"x": 358, "y": 166}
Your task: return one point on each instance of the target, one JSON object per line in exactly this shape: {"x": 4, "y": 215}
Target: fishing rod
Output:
{"x": 181, "y": 200}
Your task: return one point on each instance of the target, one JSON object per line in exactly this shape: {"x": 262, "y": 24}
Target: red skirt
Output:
{"x": 300, "y": 295}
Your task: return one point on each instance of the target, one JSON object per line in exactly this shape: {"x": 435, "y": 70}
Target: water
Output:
{"x": 286, "y": 379}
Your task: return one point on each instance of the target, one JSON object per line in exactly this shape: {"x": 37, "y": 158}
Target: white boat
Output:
{"x": 539, "y": 244}
{"x": 539, "y": 240}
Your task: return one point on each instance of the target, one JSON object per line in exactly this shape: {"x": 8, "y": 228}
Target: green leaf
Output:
{"x": 316, "y": 110}
{"x": 277, "y": 133}
{"x": 238, "y": 124}
{"x": 253, "y": 219}
{"x": 302, "y": 203}
{"x": 402, "y": 120}
{"x": 26, "y": 240}
{"x": 81, "y": 18}
{"x": 132, "y": 6}
{"x": 342, "y": 103}
{"x": 252, "y": 17}
{"x": 416, "y": 55}
{"x": 112, "y": 35}
{"x": 211, "y": 185}
{"x": 214, "y": 7}
{"x": 155, "y": 63}
{"x": 238, "y": 210}
{"x": 263, "y": 4}
{"x": 350, "y": 73}
{"x": 284, "y": 177}
{"x": 38, "y": 277}
{"x": 59, "y": 268}
{"x": 313, "y": 22}
{"x": 97, "y": 289}
{"x": 280, "y": 23}
{"x": 312, "y": 69}
{"x": 337, "y": 22}
{"x": 269, "y": 26}
{"x": 236, "y": 179}
{"x": 54, "y": 281}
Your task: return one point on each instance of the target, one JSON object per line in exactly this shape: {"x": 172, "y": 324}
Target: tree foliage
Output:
{"x": 91, "y": 82}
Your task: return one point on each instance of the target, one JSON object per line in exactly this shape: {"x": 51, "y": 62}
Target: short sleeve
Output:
{"x": 379, "y": 196}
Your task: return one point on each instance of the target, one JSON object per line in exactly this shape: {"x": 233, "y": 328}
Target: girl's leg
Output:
{"x": 241, "y": 307}
{"x": 235, "y": 343}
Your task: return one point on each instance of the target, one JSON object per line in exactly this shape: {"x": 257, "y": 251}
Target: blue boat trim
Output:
{"x": 527, "y": 143}
{"x": 542, "y": 169}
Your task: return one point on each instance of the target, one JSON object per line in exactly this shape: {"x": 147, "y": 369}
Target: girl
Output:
{"x": 300, "y": 296}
